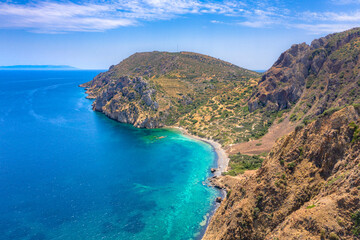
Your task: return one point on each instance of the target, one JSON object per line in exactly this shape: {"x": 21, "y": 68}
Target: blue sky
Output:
{"x": 98, "y": 33}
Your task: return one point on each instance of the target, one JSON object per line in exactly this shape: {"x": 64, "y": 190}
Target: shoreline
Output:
{"x": 222, "y": 165}
{"x": 221, "y": 155}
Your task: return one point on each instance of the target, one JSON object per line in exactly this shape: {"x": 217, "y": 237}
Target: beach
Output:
{"x": 222, "y": 157}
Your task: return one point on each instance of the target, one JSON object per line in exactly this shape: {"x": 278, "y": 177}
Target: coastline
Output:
{"x": 222, "y": 157}
{"x": 222, "y": 165}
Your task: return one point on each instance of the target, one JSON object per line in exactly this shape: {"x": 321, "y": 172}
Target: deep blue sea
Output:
{"x": 67, "y": 172}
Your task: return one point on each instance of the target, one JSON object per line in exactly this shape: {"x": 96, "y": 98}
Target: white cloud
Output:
{"x": 331, "y": 16}
{"x": 66, "y": 16}
{"x": 255, "y": 24}
{"x": 56, "y": 17}
{"x": 101, "y": 15}
{"x": 324, "y": 28}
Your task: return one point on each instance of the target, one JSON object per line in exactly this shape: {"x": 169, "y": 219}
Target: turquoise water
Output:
{"x": 67, "y": 172}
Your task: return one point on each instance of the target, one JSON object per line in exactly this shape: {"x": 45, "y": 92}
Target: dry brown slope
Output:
{"x": 307, "y": 188}
{"x": 265, "y": 143}
{"x": 309, "y": 79}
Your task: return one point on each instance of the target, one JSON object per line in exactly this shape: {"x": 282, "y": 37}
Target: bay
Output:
{"x": 67, "y": 172}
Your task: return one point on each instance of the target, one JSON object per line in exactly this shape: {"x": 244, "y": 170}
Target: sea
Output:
{"x": 67, "y": 172}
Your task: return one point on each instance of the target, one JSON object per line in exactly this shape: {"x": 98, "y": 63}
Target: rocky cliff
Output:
{"x": 307, "y": 188}
{"x": 316, "y": 77}
{"x": 129, "y": 100}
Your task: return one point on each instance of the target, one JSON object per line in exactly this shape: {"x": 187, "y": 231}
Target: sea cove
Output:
{"x": 67, "y": 172}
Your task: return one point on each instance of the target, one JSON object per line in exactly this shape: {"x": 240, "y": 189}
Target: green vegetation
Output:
{"x": 228, "y": 194}
{"x": 355, "y": 128}
{"x": 291, "y": 166}
{"x": 356, "y": 223}
{"x": 334, "y": 179}
{"x": 239, "y": 163}
{"x": 333, "y": 236}
{"x": 282, "y": 181}
{"x": 330, "y": 111}
{"x": 311, "y": 206}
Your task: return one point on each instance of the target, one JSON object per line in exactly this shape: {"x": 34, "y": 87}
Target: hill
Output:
{"x": 205, "y": 95}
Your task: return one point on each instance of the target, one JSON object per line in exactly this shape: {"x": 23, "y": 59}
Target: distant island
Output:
{"x": 38, "y": 67}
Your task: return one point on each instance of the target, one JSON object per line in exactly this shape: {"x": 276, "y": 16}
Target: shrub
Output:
{"x": 228, "y": 194}
{"x": 293, "y": 117}
{"x": 333, "y": 236}
{"x": 342, "y": 75}
{"x": 356, "y": 220}
{"x": 256, "y": 212}
{"x": 330, "y": 111}
{"x": 299, "y": 127}
{"x": 356, "y": 129}
{"x": 282, "y": 162}
{"x": 310, "y": 206}
{"x": 291, "y": 166}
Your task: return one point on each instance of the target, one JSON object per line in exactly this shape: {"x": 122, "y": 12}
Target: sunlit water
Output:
{"x": 67, "y": 172}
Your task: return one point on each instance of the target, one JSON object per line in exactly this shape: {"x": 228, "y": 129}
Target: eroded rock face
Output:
{"x": 307, "y": 188}
{"x": 128, "y": 100}
{"x": 286, "y": 81}
{"x": 283, "y": 83}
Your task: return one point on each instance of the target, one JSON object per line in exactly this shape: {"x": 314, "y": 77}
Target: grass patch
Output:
{"x": 311, "y": 206}
{"x": 239, "y": 163}
{"x": 330, "y": 111}
{"x": 293, "y": 117}
{"x": 355, "y": 217}
{"x": 356, "y": 129}
{"x": 333, "y": 180}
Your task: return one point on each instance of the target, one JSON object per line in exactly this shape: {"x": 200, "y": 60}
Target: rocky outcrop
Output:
{"x": 307, "y": 188}
{"x": 129, "y": 100}
{"x": 290, "y": 70}
{"x": 308, "y": 71}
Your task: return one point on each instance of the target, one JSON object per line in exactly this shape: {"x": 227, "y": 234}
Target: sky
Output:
{"x": 95, "y": 34}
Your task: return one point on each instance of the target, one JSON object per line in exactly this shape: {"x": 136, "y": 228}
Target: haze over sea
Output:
{"x": 67, "y": 172}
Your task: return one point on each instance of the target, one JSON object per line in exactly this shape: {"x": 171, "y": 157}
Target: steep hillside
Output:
{"x": 205, "y": 95}
{"x": 307, "y": 188}
{"x": 314, "y": 78}
{"x": 304, "y": 82}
